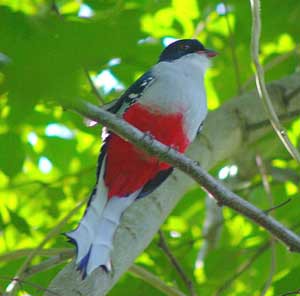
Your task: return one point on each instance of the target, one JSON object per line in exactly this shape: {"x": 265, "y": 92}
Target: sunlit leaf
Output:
{"x": 19, "y": 222}
{"x": 12, "y": 154}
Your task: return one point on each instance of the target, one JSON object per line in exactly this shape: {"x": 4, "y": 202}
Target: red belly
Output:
{"x": 129, "y": 168}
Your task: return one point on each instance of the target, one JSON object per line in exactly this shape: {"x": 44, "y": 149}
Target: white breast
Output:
{"x": 179, "y": 87}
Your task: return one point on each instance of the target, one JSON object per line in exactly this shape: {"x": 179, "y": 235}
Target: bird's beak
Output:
{"x": 208, "y": 52}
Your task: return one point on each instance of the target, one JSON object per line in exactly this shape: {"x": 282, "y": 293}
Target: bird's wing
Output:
{"x": 119, "y": 106}
{"x": 132, "y": 94}
{"x": 152, "y": 184}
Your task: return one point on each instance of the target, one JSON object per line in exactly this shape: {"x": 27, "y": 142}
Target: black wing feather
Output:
{"x": 136, "y": 88}
{"x": 155, "y": 182}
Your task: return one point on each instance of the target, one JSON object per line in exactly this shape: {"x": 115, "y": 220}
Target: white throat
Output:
{"x": 179, "y": 87}
{"x": 193, "y": 63}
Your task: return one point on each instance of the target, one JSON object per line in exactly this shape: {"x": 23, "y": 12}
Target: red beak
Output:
{"x": 208, "y": 52}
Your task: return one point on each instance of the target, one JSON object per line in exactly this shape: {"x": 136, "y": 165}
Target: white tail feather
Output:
{"x": 85, "y": 232}
{"x": 102, "y": 244}
{"x": 103, "y": 241}
{"x": 95, "y": 233}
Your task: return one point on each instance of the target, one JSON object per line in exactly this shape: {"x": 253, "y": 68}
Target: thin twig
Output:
{"x": 164, "y": 246}
{"x": 202, "y": 24}
{"x": 297, "y": 292}
{"x": 264, "y": 176}
{"x": 20, "y": 273}
{"x": 25, "y": 252}
{"x": 278, "y": 206}
{"x": 260, "y": 82}
{"x": 55, "y": 8}
{"x": 36, "y": 286}
{"x": 263, "y": 172}
{"x": 154, "y": 281}
{"x": 49, "y": 263}
{"x": 93, "y": 86}
{"x": 272, "y": 272}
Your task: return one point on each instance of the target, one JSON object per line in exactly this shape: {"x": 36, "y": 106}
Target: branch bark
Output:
{"x": 143, "y": 218}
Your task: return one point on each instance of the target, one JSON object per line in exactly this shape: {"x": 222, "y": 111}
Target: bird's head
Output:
{"x": 184, "y": 47}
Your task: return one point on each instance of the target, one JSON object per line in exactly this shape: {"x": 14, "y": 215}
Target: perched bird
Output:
{"x": 169, "y": 102}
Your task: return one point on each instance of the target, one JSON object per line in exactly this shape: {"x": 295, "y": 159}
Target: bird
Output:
{"x": 168, "y": 102}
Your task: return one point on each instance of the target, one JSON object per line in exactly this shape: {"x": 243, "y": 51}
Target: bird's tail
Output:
{"x": 94, "y": 235}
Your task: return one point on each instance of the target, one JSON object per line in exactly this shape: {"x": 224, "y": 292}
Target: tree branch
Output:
{"x": 144, "y": 217}
{"x": 223, "y": 195}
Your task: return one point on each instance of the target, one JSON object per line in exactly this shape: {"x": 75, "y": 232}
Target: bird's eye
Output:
{"x": 185, "y": 46}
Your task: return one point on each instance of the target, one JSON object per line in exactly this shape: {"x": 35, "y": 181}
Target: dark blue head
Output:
{"x": 183, "y": 47}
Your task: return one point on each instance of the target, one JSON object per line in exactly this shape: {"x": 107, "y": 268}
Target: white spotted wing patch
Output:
{"x": 139, "y": 88}
{"x": 134, "y": 93}
{"x": 133, "y": 96}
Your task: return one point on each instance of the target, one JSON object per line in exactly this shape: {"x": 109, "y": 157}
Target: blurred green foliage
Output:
{"x": 48, "y": 156}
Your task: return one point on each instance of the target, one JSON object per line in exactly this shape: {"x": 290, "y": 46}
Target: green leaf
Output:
{"x": 290, "y": 282}
{"x": 19, "y": 222}
{"x": 12, "y": 154}
{"x": 2, "y": 224}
